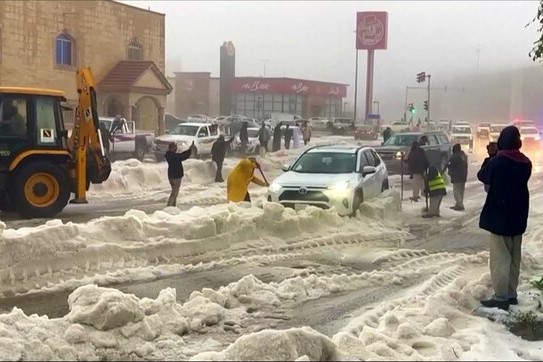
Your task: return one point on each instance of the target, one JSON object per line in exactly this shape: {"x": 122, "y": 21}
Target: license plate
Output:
{"x": 298, "y": 207}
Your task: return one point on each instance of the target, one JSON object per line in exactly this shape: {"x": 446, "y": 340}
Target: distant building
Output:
{"x": 42, "y": 43}
{"x": 198, "y": 93}
{"x": 259, "y": 97}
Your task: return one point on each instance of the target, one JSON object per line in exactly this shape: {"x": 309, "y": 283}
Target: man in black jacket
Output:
{"x": 458, "y": 171}
{"x": 505, "y": 215}
{"x": 417, "y": 163}
{"x": 175, "y": 169}
{"x": 218, "y": 151}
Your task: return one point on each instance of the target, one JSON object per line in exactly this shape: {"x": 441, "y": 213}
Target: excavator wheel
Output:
{"x": 40, "y": 190}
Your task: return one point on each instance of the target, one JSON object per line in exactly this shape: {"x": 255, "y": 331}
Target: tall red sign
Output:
{"x": 371, "y": 30}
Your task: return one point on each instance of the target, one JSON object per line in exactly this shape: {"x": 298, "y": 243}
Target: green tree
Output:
{"x": 537, "y": 51}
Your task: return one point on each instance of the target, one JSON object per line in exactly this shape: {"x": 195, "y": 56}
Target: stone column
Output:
{"x": 161, "y": 121}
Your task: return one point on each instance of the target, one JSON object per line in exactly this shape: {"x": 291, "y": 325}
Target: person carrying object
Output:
{"x": 218, "y": 152}
{"x": 417, "y": 163}
{"x": 492, "y": 150}
{"x": 175, "y": 169}
{"x": 237, "y": 183}
{"x": 458, "y": 171}
{"x": 505, "y": 215}
{"x": 434, "y": 190}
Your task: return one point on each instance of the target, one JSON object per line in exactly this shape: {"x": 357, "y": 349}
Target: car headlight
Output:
{"x": 340, "y": 186}
{"x": 398, "y": 155}
{"x": 181, "y": 143}
{"x": 274, "y": 187}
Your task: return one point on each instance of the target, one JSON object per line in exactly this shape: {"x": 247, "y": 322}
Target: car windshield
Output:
{"x": 325, "y": 162}
{"x": 185, "y": 130}
{"x": 528, "y": 131}
{"x": 401, "y": 140}
{"x": 496, "y": 129}
{"x": 462, "y": 130}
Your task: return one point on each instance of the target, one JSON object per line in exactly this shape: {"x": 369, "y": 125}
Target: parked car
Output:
{"x": 530, "y": 138}
{"x": 462, "y": 134}
{"x": 253, "y": 145}
{"x": 495, "y": 130}
{"x": 340, "y": 177}
{"x": 184, "y": 134}
{"x": 397, "y": 147}
{"x": 365, "y": 132}
{"x": 198, "y": 118}
{"x": 483, "y": 131}
{"x": 399, "y": 126}
{"x": 319, "y": 123}
{"x": 127, "y": 141}
{"x": 342, "y": 126}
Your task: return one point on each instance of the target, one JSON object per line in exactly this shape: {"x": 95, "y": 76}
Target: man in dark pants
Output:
{"x": 458, "y": 171}
{"x": 218, "y": 151}
{"x": 175, "y": 169}
{"x": 505, "y": 215}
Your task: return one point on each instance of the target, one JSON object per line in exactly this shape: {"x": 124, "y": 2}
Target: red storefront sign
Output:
{"x": 287, "y": 86}
{"x": 371, "y": 30}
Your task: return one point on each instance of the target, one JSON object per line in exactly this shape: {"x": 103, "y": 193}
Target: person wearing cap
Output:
{"x": 237, "y": 183}
{"x": 505, "y": 215}
{"x": 175, "y": 169}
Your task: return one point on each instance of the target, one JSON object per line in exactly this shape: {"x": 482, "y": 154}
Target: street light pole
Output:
{"x": 429, "y": 76}
{"x": 405, "y": 106}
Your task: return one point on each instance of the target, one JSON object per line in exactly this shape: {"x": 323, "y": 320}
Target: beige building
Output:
{"x": 43, "y": 42}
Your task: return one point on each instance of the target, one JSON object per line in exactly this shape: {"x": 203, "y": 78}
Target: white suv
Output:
{"x": 184, "y": 134}
{"x": 339, "y": 177}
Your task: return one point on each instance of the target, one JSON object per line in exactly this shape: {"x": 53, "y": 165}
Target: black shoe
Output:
{"x": 513, "y": 301}
{"x": 492, "y": 303}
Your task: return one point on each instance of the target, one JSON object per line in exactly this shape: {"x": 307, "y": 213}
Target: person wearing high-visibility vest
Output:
{"x": 435, "y": 190}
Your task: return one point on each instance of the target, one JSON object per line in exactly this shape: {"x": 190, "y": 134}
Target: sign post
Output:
{"x": 371, "y": 34}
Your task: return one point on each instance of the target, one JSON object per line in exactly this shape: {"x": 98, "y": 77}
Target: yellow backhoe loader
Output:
{"x": 40, "y": 166}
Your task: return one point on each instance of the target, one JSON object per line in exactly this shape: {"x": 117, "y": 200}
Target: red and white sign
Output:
{"x": 371, "y": 30}
{"x": 287, "y": 86}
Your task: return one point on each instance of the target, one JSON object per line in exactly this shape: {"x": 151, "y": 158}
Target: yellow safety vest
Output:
{"x": 437, "y": 183}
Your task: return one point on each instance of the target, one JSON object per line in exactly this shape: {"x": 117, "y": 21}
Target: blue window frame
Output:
{"x": 64, "y": 50}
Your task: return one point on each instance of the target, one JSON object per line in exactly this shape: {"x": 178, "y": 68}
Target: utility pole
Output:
{"x": 405, "y": 106}
{"x": 478, "y": 52}
{"x": 355, "y": 81}
{"x": 429, "y": 76}
{"x": 264, "y": 61}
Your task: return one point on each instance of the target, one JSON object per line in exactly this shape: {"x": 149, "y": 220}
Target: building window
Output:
{"x": 135, "y": 50}
{"x": 64, "y": 50}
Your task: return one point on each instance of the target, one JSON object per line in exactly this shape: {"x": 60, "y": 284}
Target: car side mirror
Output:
{"x": 368, "y": 170}
{"x": 285, "y": 168}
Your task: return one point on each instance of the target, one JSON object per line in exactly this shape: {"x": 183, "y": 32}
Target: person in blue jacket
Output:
{"x": 505, "y": 215}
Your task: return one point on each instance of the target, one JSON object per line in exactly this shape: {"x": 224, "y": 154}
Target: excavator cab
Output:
{"x": 33, "y": 153}
{"x": 40, "y": 167}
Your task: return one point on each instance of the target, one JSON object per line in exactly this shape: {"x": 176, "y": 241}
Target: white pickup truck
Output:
{"x": 127, "y": 142}
{"x": 202, "y": 134}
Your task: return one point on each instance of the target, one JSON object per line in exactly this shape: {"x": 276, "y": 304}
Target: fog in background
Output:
{"x": 316, "y": 40}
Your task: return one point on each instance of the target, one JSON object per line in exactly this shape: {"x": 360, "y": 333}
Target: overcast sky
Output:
{"x": 315, "y": 39}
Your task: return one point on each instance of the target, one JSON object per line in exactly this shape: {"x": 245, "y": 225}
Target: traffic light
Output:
{"x": 425, "y": 105}
{"x": 421, "y": 77}
{"x": 411, "y": 108}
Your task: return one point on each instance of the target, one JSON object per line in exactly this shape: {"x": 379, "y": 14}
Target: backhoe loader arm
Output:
{"x": 85, "y": 142}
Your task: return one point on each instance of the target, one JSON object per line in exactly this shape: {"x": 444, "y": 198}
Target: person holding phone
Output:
{"x": 492, "y": 150}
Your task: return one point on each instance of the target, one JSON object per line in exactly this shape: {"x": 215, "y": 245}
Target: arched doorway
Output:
{"x": 146, "y": 113}
{"x": 114, "y": 107}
